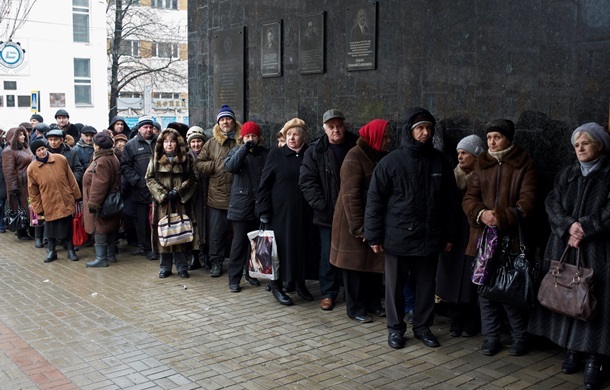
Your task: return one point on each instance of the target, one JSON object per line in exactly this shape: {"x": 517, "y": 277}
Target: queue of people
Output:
{"x": 345, "y": 211}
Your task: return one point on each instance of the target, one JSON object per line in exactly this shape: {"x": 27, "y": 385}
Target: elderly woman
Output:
{"x": 454, "y": 273}
{"x": 16, "y": 158}
{"x": 101, "y": 178}
{"x": 362, "y": 268}
{"x": 503, "y": 178}
{"x": 195, "y": 138}
{"x": 579, "y": 216}
{"x": 282, "y": 205}
{"x": 171, "y": 179}
{"x": 53, "y": 193}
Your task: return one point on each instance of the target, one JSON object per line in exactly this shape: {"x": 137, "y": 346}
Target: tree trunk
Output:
{"x": 115, "y": 55}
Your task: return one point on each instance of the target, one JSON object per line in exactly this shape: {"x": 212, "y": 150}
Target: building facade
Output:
{"x": 154, "y": 47}
{"x": 56, "y": 59}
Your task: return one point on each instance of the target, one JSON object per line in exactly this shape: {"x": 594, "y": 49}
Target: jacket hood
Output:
{"x": 115, "y": 120}
{"x": 221, "y": 137}
{"x": 407, "y": 140}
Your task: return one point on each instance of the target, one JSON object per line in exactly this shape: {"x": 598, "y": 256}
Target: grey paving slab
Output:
{"x": 123, "y": 327}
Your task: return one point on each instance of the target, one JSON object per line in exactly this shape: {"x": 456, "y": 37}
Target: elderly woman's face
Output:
{"x": 169, "y": 145}
{"x": 465, "y": 160}
{"x": 295, "y": 138}
{"x": 585, "y": 149}
{"x": 41, "y": 152}
{"x": 496, "y": 141}
{"x": 196, "y": 144}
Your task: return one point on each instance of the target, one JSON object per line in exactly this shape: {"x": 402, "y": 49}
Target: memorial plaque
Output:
{"x": 311, "y": 43}
{"x": 271, "y": 49}
{"x": 360, "y": 32}
{"x": 228, "y": 54}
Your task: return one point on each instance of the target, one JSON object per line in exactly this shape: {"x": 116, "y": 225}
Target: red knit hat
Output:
{"x": 250, "y": 128}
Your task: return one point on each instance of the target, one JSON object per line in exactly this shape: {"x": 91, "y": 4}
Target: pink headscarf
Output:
{"x": 373, "y": 133}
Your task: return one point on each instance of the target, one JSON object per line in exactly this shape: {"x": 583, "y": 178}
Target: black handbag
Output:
{"x": 513, "y": 279}
{"x": 112, "y": 206}
{"x": 16, "y": 219}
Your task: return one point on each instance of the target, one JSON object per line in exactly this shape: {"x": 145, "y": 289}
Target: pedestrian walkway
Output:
{"x": 64, "y": 326}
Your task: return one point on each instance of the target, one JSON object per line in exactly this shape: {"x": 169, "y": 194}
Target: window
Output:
{"x": 82, "y": 81}
{"x": 167, "y": 4}
{"x": 166, "y": 95}
{"x": 165, "y": 50}
{"x": 10, "y": 85}
{"x": 80, "y": 20}
{"x": 130, "y": 48}
{"x": 23, "y": 101}
{"x": 10, "y": 100}
{"x": 130, "y": 95}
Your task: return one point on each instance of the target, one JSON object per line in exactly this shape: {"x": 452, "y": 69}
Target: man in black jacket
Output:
{"x": 410, "y": 208}
{"x": 319, "y": 181}
{"x": 134, "y": 161}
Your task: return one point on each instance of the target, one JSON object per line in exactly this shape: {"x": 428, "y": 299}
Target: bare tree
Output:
{"x": 134, "y": 31}
{"x": 13, "y": 14}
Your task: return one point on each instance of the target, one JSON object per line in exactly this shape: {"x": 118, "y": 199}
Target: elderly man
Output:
{"x": 319, "y": 181}
{"x": 134, "y": 161}
{"x": 63, "y": 122}
{"x": 211, "y": 162}
{"x": 410, "y": 207}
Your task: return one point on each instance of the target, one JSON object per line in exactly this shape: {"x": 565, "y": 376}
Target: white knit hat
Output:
{"x": 473, "y": 144}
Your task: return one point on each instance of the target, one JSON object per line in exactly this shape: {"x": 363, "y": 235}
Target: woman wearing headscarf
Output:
{"x": 53, "y": 193}
{"x": 454, "y": 274}
{"x": 578, "y": 208}
{"x": 195, "y": 138}
{"x": 282, "y": 206}
{"x": 362, "y": 268}
{"x": 170, "y": 177}
{"x": 101, "y": 178}
{"x": 503, "y": 178}
{"x": 16, "y": 158}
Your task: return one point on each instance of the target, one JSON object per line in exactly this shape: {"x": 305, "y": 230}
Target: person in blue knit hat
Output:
{"x": 210, "y": 162}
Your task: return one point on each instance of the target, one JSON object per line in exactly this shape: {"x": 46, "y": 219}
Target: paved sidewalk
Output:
{"x": 63, "y": 326}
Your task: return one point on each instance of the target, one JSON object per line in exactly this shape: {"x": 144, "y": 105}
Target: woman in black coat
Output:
{"x": 282, "y": 205}
{"x": 245, "y": 161}
{"x": 579, "y": 215}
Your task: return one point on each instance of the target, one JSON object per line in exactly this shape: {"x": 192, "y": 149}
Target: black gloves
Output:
{"x": 264, "y": 218}
{"x": 92, "y": 211}
{"x": 173, "y": 196}
{"x": 15, "y": 192}
{"x": 250, "y": 144}
{"x": 41, "y": 213}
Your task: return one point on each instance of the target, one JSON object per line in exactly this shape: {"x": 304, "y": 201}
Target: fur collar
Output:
{"x": 220, "y": 137}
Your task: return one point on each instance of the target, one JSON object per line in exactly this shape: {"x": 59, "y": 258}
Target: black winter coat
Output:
{"x": 246, "y": 168}
{"x": 134, "y": 162}
{"x": 2, "y": 183}
{"x": 291, "y": 218}
{"x": 319, "y": 178}
{"x": 411, "y": 201}
{"x": 583, "y": 199}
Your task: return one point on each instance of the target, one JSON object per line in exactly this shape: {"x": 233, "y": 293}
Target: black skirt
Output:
{"x": 60, "y": 228}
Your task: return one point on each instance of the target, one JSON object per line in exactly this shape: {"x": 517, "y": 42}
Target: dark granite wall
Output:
{"x": 545, "y": 64}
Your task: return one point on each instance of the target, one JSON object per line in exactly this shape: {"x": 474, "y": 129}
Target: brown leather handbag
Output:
{"x": 566, "y": 288}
